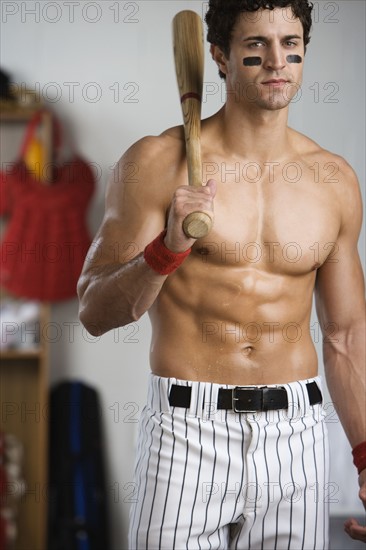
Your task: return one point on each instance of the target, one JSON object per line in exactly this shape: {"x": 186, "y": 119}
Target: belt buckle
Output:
{"x": 245, "y": 388}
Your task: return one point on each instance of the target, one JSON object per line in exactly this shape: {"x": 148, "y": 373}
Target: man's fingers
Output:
{"x": 190, "y": 199}
{"x": 190, "y": 212}
{"x": 211, "y": 184}
{"x": 362, "y": 494}
{"x": 355, "y": 530}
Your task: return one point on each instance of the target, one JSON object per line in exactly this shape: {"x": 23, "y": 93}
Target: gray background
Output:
{"x": 106, "y": 68}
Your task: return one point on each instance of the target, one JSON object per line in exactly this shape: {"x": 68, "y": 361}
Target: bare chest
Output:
{"x": 281, "y": 222}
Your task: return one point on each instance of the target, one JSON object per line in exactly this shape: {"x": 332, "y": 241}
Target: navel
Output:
{"x": 247, "y": 351}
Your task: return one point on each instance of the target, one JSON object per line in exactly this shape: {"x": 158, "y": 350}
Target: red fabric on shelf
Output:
{"x": 46, "y": 237}
{"x": 5, "y": 195}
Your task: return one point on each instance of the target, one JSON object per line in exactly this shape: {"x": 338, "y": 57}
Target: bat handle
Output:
{"x": 197, "y": 225}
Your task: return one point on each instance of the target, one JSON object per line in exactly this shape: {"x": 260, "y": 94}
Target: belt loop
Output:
{"x": 171, "y": 382}
{"x": 210, "y": 401}
{"x": 300, "y": 400}
{"x": 197, "y": 396}
{"x": 304, "y": 397}
{"x": 292, "y": 410}
{"x": 318, "y": 408}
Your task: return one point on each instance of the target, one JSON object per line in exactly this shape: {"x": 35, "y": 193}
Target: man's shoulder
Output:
{"x": 156, "y": 148}
{"x": 150, "y": 166}
{"x": 337, "y": 177}
{"x": 311, "y": 152}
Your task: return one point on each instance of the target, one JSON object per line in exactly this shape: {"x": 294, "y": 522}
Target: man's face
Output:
{"x": 265, "y": 64}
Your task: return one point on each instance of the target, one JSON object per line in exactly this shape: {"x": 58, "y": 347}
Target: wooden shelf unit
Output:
{"x": 24, "y": 401}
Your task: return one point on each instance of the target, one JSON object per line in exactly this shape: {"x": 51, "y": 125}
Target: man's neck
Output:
{"x": 255, "y": 133}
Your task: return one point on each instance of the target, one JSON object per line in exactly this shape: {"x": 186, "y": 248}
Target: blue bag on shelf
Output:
{"x": 78, "y": 518}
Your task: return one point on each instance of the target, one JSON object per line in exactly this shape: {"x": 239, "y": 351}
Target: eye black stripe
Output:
{"x": 251, "y": 61}
{"x": 294, "y": 59}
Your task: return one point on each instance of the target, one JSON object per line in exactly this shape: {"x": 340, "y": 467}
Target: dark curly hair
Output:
{"x": 222, "y": 15}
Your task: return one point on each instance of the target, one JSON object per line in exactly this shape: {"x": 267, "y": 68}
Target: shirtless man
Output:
{"x": 220, "y": 466}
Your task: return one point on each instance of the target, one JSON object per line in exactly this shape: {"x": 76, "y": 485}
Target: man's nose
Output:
{"x": 275, "y": 59}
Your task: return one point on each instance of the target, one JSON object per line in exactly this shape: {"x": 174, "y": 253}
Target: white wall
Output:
{"x": 118, "y": 57}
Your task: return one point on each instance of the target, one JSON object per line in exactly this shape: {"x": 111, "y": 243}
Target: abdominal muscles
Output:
{"x": 249, "y": 327}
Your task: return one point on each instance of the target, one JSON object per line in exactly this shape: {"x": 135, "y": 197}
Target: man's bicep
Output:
{"x": 339, "y": 288}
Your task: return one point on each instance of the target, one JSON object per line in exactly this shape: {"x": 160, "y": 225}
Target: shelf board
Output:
{"x": 17, "y": 113}
{"x": 20, "y": 354}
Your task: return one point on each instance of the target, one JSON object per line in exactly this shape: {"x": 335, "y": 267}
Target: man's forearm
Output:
{"x": 115, "y": 295}
{"x": 344, "y": 362}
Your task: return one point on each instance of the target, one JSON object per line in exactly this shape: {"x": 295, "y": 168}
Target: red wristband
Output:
{"x": 161, "y": 259}
{"x": 359, "y": 456}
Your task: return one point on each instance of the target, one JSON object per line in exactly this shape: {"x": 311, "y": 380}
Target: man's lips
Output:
{"x": 275, "y": 81}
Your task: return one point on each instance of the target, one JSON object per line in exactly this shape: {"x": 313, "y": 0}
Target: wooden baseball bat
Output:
{"x": 189, "y": 65}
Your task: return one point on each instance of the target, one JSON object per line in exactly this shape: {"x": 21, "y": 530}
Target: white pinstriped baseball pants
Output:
{"x": 215, "y": 479}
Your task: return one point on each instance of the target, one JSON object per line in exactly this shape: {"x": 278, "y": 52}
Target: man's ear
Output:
{"x": 219, "y": 57}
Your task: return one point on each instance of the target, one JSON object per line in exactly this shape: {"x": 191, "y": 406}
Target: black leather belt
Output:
{"x": 245, "y": 398}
